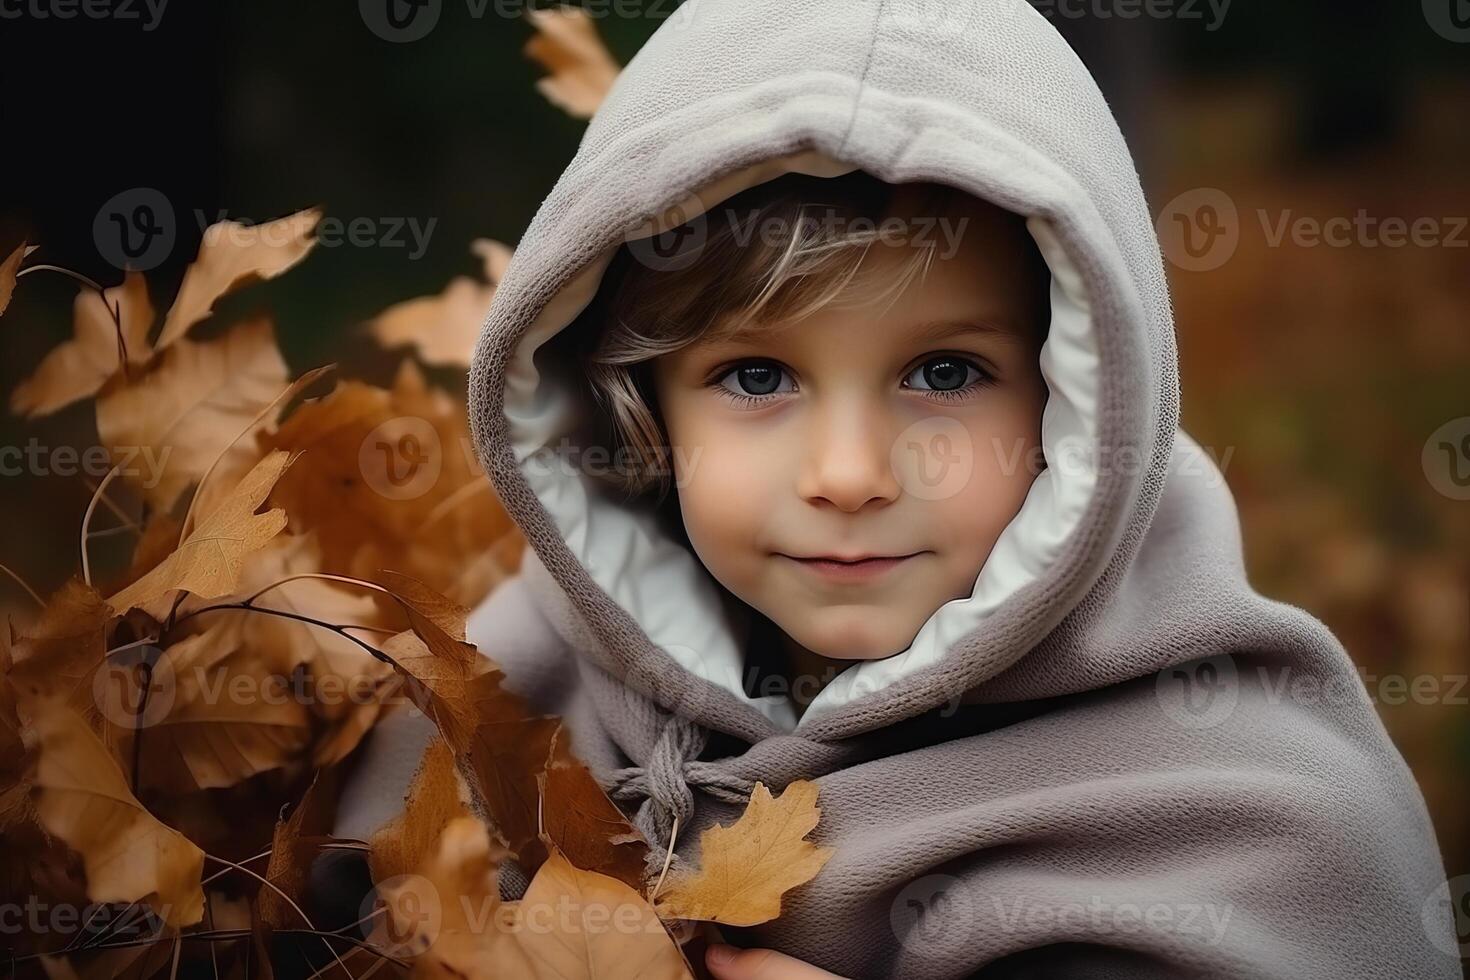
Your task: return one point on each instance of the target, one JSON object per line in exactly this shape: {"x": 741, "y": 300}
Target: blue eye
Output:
{"x": 755, "y": 381}
{"x": 949, "y": 376}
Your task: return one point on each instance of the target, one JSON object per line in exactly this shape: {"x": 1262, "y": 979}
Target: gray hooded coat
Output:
{"x": 1114, "y": 759}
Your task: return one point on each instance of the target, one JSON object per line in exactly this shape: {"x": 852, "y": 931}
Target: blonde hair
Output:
{"x": 731, "y": 285}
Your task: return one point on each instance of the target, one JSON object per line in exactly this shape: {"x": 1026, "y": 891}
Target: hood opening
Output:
{"x": 628, "y": 550}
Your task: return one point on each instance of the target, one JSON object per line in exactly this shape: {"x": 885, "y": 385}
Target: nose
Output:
{"x": 846, "y": 457}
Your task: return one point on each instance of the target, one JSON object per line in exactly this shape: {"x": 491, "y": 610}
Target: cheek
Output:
{"x": 991, "y": 498}
{"x": 1007, "y": 458}
{"x": 725, "y": 493}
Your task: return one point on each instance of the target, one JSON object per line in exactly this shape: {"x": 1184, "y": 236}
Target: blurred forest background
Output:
{"x": 1317, "y": 374}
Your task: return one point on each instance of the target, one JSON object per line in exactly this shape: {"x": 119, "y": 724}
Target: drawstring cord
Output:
{"x": 665, "y": 785}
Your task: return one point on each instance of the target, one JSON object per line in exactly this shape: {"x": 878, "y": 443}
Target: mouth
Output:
{"x": 851, "y": 569}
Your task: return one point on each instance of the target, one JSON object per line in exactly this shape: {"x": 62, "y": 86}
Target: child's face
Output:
{"x": 847, "y": 445}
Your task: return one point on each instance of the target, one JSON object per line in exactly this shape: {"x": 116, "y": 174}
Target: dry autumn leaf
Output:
{"x": 582, "y": 69}
{"x": 435, "y": 798}
{"x": 611, "y": 932}
{"x": 209, "y": 561}
{"x": 58, "y": 656}
{"x": 511, "y": 756}
{"x": 514, "y": 755}
{"x": 8, "y": 269}
{"x": 448, "y": 915}
{"x": 570, "y": 924}
{"x": 79, "y": 367}
{"x": 745, "y": 868}
{"x": 343, "y": 683}
{"x": 170, "y": 425}
{"x": 84, "y": 799}
{"x": 292, "y": 850}
{"x": 228, "y": 717}
{"x": 393, "y": 483}
{"x": 585, "y": 825}
{"x": 282, "y": 573}
{"x": 231, "y": 255}
{"x": 239, "y": 456}
{"x": 15, "y": 758}
{"x": 444, "y": 328}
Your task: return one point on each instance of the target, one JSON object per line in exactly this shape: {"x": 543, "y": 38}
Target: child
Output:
{"x": 835, "y": 391}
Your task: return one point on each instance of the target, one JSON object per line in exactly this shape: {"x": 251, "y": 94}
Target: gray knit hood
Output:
{"x": 986, "y": 97}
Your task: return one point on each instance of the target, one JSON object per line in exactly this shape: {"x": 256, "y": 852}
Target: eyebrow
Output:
{"x": 929, "y": 331}
{"x": 943, "y": 329}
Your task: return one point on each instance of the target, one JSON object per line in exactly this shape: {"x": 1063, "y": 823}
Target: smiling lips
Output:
{"x": 851, "y": 570}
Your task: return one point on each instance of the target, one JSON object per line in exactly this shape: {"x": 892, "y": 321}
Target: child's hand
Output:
{"x": 729, "y": 963}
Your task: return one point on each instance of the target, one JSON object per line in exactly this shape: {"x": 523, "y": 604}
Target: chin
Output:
{"x": 851, "y": 642}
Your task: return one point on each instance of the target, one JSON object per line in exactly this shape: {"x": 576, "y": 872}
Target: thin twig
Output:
{"x": 129, "y": 907}
{"x": 117, "y": 511}
{"x": 285, "y": 898}
{"x": 115, "y": 310}
{"x": 224, "y": 871}
{"x": 324, "y": 576}
{"x": 145, "y": 641}
{"x": 87, "y": 520}
{"x": 138, "y": 726}
{"x": 374, "y": 651}
{"x": 108, "y": 532}
{"x": 669, "y": 856}
{"x": 44, "y": 267}
{"x": 24, "y": 585}
{"x": 226, "y": 935}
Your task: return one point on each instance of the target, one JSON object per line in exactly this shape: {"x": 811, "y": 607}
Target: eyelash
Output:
{"x": 949, "y": 395}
